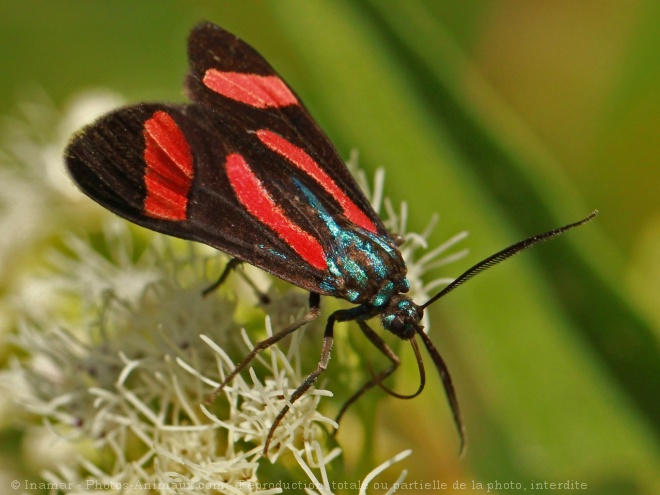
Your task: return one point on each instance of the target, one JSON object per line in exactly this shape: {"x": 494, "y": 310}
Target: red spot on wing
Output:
{"x": 306, "y": 163}
{"x": 254, "y": 90}
{"x": 256, "y": 199}
{"x": 169, "y": 172}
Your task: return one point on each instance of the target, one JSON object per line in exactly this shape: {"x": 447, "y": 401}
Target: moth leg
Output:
{"x": 380, "y": 344}
{"x": 326, "y": 349}
{"x": 232, "y": 265}
{"x": 312, "y": 314}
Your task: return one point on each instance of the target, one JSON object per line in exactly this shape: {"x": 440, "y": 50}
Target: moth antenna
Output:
{"x": 505, "y": 254}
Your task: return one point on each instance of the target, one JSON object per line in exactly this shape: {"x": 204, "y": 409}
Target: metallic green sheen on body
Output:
{"x": 364, "y": 267}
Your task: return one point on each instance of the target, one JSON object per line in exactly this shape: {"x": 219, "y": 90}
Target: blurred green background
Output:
{"x": 507, "y": 118}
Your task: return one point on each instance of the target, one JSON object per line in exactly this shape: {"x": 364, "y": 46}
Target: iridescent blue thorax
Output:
{"x": 364, "y": 268}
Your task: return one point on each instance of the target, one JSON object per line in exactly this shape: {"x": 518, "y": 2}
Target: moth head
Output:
{"x": 402, "y": 317}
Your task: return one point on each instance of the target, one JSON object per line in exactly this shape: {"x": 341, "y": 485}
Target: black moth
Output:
{"x": 245, "y": 169}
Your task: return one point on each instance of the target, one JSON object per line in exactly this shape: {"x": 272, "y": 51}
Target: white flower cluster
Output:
{"x": 119, "y": 350}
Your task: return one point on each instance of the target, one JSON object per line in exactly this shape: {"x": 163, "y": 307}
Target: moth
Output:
{"x": 245, "y": 169}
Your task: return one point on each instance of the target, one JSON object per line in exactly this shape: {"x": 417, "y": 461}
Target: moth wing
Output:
{"x": 164, "y": 167}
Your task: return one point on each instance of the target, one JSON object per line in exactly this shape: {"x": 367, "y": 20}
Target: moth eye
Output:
{"x": 397, "y": 325}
